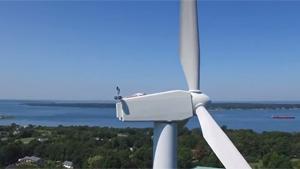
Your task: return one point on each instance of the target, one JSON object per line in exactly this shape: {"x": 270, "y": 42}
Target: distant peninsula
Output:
{"x": 81, "y": 105}
{"x": 251, "y": 106}
{"x": 212, "y": 106}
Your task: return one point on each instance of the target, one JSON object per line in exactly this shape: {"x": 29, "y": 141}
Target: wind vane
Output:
{"x": 118, "y": 97}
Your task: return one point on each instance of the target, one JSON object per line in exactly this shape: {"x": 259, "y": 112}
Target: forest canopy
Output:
{"x": 102, "y": 147}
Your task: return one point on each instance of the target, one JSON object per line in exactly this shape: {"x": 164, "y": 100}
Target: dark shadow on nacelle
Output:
{"x": 124, "y": 107}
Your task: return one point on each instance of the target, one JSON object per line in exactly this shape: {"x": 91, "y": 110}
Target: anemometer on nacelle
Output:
{"x": 172, "y": 105}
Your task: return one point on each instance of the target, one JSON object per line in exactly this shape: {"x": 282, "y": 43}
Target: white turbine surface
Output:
{"x": 165, "y": 145}
{"x": 190, "y": 56}
{"x": 189, "y": 43}
{"x": 227, "y": 153}
{"x": 165, "y": 109}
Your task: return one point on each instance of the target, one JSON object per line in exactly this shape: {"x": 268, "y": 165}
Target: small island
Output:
{"x": 6, "y": 116}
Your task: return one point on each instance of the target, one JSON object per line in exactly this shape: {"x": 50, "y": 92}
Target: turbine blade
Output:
{"x": 189, "y": 43}
{"x": 227, "y": 153}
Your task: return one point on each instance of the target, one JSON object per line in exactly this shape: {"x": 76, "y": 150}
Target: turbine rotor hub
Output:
{"x": 199, "y": 98}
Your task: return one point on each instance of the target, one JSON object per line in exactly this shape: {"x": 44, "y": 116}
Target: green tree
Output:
{"x": 274, "y": 160}
{"x": 184, "y": 157}
{"x": 95, "y": 162}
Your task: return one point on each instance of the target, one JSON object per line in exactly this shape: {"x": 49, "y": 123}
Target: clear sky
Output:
{"x": 250, "y": 50}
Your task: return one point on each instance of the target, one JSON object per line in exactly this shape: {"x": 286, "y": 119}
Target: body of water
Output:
{"x": 257, "y": 120}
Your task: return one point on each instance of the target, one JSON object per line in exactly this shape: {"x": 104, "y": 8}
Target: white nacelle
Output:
{"x": 166, "y": 106}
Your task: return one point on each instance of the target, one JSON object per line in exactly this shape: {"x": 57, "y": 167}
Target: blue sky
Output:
{"x": 82, "y": 50}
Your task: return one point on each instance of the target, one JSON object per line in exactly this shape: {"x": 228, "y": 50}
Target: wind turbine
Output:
{"x": 166, "y": 109}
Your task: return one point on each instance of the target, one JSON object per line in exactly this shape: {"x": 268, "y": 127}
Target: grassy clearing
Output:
{"x": 295, "y": 163}
{"x": 26, "y": 140}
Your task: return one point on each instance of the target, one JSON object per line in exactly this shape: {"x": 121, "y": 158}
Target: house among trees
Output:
{"x": 31, "y": 159}
{"x": 16, "y": 132}
{"x": 42, "y": 139}
{"x": 122, "y": 135}
{"x": 68, "y": 164}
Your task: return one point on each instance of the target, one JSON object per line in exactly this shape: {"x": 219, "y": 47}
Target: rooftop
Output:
{"x": 68, "y": 163}
{"x": 31, "y": 158}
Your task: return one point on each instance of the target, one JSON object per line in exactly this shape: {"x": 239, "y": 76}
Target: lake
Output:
{"x": 257, "y": 120}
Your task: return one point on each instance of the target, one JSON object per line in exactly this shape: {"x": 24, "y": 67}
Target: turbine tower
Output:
{"x": 166, "y": 109}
